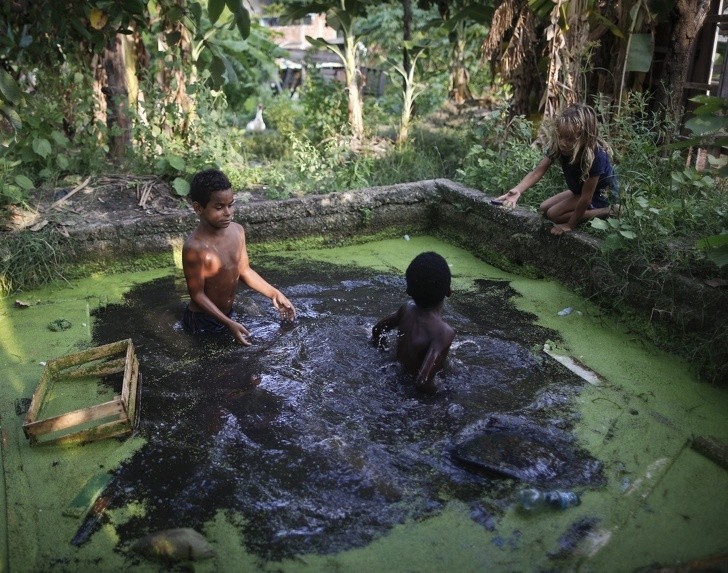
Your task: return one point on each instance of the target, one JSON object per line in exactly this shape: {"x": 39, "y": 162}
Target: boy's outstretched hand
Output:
{"x": 379, "y": 341}
{"x": 240, "y": 333}
{"x": 284, "y": 307}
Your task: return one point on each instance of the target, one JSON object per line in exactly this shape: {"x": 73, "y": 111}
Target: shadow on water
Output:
{"x": 313, "y": 436}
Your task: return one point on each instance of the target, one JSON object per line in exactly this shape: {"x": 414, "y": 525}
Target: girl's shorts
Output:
{"x": 599, "y": 202}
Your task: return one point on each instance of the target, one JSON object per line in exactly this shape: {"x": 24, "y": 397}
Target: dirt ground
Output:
{"x": 95, "y": 201}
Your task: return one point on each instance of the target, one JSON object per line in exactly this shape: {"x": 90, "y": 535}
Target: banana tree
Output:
{"x": 458, "y": 16}
{"x": 512, "y": 47}
{"x": 97, "y": 32}
{"x": 569, "y": 45}
{"x": 341, "y": 15}
{"x": 412, "y": 90}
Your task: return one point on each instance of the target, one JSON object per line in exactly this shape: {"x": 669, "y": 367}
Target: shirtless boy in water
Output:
{"x": 215, "y": 258}
{"x": 423, "y": 337}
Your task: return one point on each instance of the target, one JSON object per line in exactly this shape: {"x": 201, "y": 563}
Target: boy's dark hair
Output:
{"x": 205, "y": 183}
{"x": 428, "y": 279}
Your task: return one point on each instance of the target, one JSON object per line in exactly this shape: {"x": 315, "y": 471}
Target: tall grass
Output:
{"x": 30, "y": 260}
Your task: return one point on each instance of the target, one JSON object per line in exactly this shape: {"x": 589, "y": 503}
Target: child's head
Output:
{"x": 205, "y": 183}
{"x": 428, "y": 279}
{"x": 576, "y": 130}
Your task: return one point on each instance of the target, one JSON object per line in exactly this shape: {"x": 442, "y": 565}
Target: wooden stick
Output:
{"x": 712, "y": 448}
{"x": 73, "y": 192}
{"x": 146, "y": 194}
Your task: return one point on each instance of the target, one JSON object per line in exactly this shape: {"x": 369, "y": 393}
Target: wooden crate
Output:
{"x": 114, "y": 418}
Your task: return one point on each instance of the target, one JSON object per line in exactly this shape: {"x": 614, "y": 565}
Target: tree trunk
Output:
{"x": 117, "y": 98}
{"x": 352, "y": 85}
{"x": 172, "y": 75}
{"x": 406, "y": 36}
{"x": 459, "y": 77}
{"x": 689, "y": 16}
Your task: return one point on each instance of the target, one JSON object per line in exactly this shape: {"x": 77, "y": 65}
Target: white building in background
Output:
{"x": 301, "y": 54}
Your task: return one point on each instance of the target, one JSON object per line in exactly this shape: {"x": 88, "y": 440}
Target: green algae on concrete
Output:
{"x": 663, "y": 502}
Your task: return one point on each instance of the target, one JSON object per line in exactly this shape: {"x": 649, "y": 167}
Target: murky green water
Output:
{"x": 310, "y": 451}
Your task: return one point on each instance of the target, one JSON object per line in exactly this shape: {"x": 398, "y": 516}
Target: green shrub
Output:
{"x": 502, "y": 153}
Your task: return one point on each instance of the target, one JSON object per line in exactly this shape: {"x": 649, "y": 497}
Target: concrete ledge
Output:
{"x": 508, "y": 238}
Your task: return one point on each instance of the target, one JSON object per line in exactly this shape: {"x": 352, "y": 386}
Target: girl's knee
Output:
{"x": 549, "y": 213}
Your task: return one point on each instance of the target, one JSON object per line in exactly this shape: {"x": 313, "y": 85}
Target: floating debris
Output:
{"x": 59, "y": 324}
{"x": 517, "y": 448}
{"x": 573, "y": 365}
{"x": 712, "y": 448}
{"x": 181, "y": 544}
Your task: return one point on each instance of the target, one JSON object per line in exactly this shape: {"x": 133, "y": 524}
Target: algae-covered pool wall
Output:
{"x": 516, "y": 239}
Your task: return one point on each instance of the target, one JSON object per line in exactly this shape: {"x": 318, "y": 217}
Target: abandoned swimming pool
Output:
{"x": 309, "y": 451}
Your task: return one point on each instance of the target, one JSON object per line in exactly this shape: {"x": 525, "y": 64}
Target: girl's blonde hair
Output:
{"x": 581, "y": 120}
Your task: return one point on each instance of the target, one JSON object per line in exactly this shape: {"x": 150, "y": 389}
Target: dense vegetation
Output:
{"x": 166, "y": 87}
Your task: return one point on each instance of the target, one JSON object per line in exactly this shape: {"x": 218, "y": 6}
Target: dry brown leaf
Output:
{"x": 39, "y": 225}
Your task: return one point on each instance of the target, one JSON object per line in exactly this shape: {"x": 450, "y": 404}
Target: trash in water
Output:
{"x": 516, "y": 448}
{"x": 181, "y": 544}
{"x": 532, "y": 499}
{"x": 568, "y": 310}
{"x": 59, "y": 324}
{"x": 572, "y": 364}
{"x": 406, "y": 237}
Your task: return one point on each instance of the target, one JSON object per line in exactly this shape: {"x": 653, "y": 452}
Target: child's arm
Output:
{"x": 258, "y": 283}
{"x": 279, "y": 300}
{"x": 587, "y": 192}
{"x": 511, "y": 198}
{"x": 434, "y": 360}
{"x": 384, "y": 325}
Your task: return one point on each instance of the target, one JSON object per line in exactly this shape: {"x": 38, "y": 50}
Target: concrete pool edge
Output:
{"x": 516, "y": 239}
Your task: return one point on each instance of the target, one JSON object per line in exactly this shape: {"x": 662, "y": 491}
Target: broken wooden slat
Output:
{"x": 132, "y": 394}
{"x": 129, "y": 359}
{"x": 100, "y": 369}
{"x": 88, "y": 355}
{"x": 38, "y": 396}
{"x": 113, "y": 429}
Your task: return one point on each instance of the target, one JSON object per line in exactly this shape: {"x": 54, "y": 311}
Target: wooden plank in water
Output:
{"x": 81, "y": 504}
{"x": 76, "y": 418}
{"x": 90, "y": 363}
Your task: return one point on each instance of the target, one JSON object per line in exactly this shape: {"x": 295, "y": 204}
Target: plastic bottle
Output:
{"x": 532, "y": 499}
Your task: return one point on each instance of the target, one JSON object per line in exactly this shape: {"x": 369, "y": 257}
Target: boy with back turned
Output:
{"x": 423, "y": 337}
{"x": 215, "y": 258}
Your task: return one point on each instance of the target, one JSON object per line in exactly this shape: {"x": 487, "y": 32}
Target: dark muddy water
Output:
{"x": 312, "y": 439}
